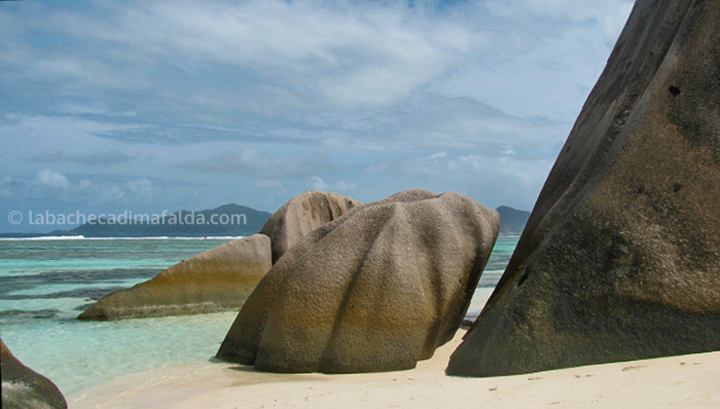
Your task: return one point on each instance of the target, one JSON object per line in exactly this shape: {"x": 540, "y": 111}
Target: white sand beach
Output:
{"x": 690, "y": 381}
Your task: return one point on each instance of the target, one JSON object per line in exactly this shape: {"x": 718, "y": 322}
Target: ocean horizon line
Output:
{"x": 42, "y": 237}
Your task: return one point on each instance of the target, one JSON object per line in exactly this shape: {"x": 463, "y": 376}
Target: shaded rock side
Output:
{"x": 219, "y": 279}
{"x": 23, "y": 388}
{"x": 301, "y": 215}
{"x": 376, "y": 290}
{"x": 620, "y": 259}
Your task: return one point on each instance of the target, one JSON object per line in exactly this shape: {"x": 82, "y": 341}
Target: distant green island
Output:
{"x": 227, "y": 220}
{"x": 512, "y": 221}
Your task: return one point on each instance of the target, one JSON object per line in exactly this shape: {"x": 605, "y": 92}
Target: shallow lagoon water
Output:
{"x": 45, "y": 284}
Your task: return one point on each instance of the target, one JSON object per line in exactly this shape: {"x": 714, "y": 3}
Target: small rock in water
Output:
{"x": 219, "y": 279}
{"x": 23, "y": 388}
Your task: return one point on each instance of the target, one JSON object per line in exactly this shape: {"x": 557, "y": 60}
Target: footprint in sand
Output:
{"x": 630, "y": 368}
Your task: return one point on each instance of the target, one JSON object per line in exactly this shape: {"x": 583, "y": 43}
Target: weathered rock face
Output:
{"x": 376, "y": 290}
{"x": 23, "y": 388}
{"x": 219, "y": 279}
{"x": 621, "y": 257}
{"x": 301, "y": 215}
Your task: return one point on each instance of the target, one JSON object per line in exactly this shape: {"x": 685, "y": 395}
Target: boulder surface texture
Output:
{"x": 620, "y": 259}
{"x": 376, "y": 290}
{"x": 23, "y": 388}
{"x": 301, "y": 215}
{"x": 219, "y": 279}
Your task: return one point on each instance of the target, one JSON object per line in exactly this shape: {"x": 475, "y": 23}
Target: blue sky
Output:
{"x": 159, "y": 105}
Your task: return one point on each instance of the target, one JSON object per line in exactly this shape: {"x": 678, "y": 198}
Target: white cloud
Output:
{"x": 5, "y": 190}
{"x": 280, "y": 164}
{"x": 105, "y": 191}
{"x": 359, "y": 54}
{"x": 610, "y": 14}
{"x": 45, "y": 139}
{"x": 52, "y": 179}
{"x": 112, "y": 194}
{"x": 543, "y": 57}
{"x": 343, "y": 186}
{"x": 249, "y": 160}
{"x": 283, "y": 59}
{"x": 352, "y": 54}
{"x": 492, "y": 180}
{"x": 268, "y": 184}
{"x": 85, "y": 184}
{"x": 110, "y": 157}
{"x": 141, "y": 189}
{"x": 319, "y": 183}
{"x": 438, "y": 123}
{"x": 91, "y": 108}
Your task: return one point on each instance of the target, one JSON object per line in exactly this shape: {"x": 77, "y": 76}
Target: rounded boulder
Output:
{"x": 376, "y": 290}
{"x": 216, "y": 280}
{"x": 301, "y": 215}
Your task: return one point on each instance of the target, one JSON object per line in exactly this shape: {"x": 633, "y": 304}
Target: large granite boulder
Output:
{"x": 376, "y": 290}
{"x": 301, "y": 215}
{"x": 23, "y": 388}
{"x": 219, "y": 279}
{"x": 620, "y": 259}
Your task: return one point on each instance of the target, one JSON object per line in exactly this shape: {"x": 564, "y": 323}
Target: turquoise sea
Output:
{"x": 46, "y": 283}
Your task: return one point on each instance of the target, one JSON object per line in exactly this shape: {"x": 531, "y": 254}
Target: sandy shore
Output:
{"x": 691, "y": 381}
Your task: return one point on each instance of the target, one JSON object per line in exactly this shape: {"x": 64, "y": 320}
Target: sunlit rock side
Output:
{"x": 620, "y": 259}
{"x": 301, "y": 215}
{"x": 219, "y": 279}
{"x": 376, "y": 290}
{"x": 23, "y": 388}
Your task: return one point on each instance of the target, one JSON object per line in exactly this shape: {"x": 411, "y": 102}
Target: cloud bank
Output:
{"x": 179, "y": 104}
